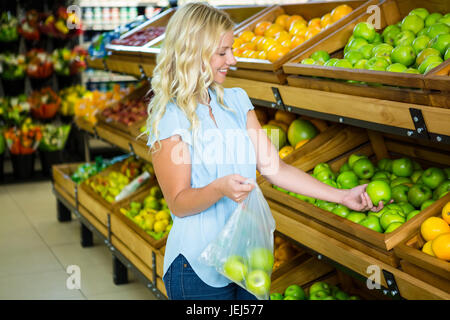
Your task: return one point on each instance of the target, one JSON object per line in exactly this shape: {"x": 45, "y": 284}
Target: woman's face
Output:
{"x": 223, "y": 58}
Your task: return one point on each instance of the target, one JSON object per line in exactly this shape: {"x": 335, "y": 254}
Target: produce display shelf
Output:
{"x": 119, "y": 250}
{"x": 398, "y": 86}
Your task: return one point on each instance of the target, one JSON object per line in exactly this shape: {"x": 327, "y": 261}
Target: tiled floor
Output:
{"x": 35, "y": 250}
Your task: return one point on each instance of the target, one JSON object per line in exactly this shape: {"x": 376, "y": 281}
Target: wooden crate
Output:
{"x": 336, "y": 152}
{"x": 251, "y": 68}
{"x": 128, "y": 223}
{"x": 62, "y": 177}
{"x": 94, "y": 202}
{"x": 133, "y": 129}
{"x": 414, "y": 87}
{"x": 421, "y": 265}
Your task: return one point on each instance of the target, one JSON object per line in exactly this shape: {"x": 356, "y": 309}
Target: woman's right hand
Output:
{"x": 234, "y": 186}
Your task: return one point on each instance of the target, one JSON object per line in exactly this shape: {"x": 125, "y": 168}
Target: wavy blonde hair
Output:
{"x": 183, "y": 72}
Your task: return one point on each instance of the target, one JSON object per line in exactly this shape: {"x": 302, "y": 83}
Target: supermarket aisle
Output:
{"x": 35, "y": 250}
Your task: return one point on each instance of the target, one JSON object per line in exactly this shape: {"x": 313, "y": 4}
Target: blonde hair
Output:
{"x": 183, "y": 73}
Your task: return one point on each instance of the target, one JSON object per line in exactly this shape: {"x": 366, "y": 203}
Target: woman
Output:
{"x": 206, "y": 142}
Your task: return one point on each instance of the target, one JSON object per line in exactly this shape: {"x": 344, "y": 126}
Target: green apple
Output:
{"x": 441, "y": 189}
{"x": 406, "y": 207}
{"x": 379, "y": 191}
{"x": 364, "y": 168}
{"x": 235, "y": 268}
{"x": 280, "y": 189}
{"x": 389, "y": 34}
{"x": 425, "y": 53}
{"x": 276, "y": 296}
{"x": 389, "y": 217}
{"x": 347, "y": 180}
{"x": 329, "y": 298}
{"x": 355, "y": 44}
{"x": 377, "y": 214}
{"x": 412, "y": 214}
{"x": 305, "y": 198}
{"x": 402, "y": 167}
{"x": 412, "y": 70}
{"x": 431, "y": 66}
{"x": 395, "y": 206}
{"x": 429, "y": 61}
{"x": 295, "y": 291}
{"x": 343, "y": 63}
{"x": 401, "y": 180}
{"x": 413, "y": 23}
{"x": 385, "y": 164}
{"x": 396, "y": 67}
{"x": 365, "y": 31}
{"x": 445, "y": 19}
{"x": 433, "y": 177}
{"x": 361, "y": 64}
{"x": 320, "y": 55}
{"x": 400, "y": 193}
{"x": 341, "y": 211}
{"x": 421, "y": 12}
{"x": 261, "y": 259}
{"x": 420, "y": 43}
{"x": 353, "y": 158}
{"x": 392, "y": 227}
{"x": 307, "y": 61}
{"x": 416, "y": 175}
{"x": 319, "y": 286}
{"x": 440, "y": 42}
{"x": 330, "y": 62}
{"x": 432, "y": 18}
{"x": 366, "y": 50}
{"x": 403, "y": 54}
{"x": 377, "y": 39}
{"x": 426, "y": 204}
{"x": 258, "y": 282}
{"x": 372, "y": 223}
{"x": 318, "y": 295}
{"x": 437, "y": 29}
{"x": 328, "y": 206}
{"x": 382, "y": 50}
{"x": 377, "y": 64}
{"x": 320, "y": 167}
{"x": 381, "y": 175}
{"x": 404, "y": 38}
{"x": 330, "y": 182}
{"x": 289, "y": 298}
{"x": 355, "y": 216}
{"x": 353, "y": 56}
{"x": 418, "y": 194}
{"x": 325, "y": 175}
{"x": 447, "y": 54}
{"x": 363, "y": 181}
{"x": 354, "y": 298}
{"x": 447, "y": 172}
{"x": 345, "y": 167}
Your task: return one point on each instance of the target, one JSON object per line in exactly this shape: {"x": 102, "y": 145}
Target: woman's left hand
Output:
{"x": 357, "y": 199}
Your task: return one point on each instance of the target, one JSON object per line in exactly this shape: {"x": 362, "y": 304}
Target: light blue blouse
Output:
{"x": 219, "y": 151}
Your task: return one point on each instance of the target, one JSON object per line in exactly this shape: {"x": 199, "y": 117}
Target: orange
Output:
{"x": 260, "y": 43}
{"x": 261, "y": 27}
{"x": 446, "y": 212}
{"x": 282, "y": 20}
{"x": 282, "y": 35}
{"x": 246, "y": 53}
{"x": 255, "y": 39}
{"x": 268, "y": 43}
{"x": 432, "y": 227}
{"x": 297, "y": 27}
{"x": 311, "y": 32}
{"x": 287, "y": 43}
{"x": 237, "y": 42}
{"x": 427, "y": 248}
{"x": 262, "y": 55}
{"x": 314, "y": 22}
{"x": 248, "y": 45}
{"x": 273, "y": 30}
{"x": 441, "y": 246}
{"x": 293, "y": 18}
{"x": 275, "y": 52}
{"x": 285, "y": 151}
{"x": 301, "y": 143}
{"x": 246, "y": 35}
{"x": 326, "y": 20}
{"x": 237, "y": 52}
{"x": 297, "y": 40}
{"x": 340, "y": 12}
{"x": 253, "y": 54}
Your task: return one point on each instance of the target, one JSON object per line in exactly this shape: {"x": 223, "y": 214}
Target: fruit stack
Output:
{"x": 287, "y": 131}
{"x": 283, "y": 252}
{"x": 401, "y": 184}
{"x": 140, "y": 37}
{"x": 151, "y": 214}
{"x": 110, "y": 184}
{"x": 319, "y": 290}
{"x": 436, "y": 233}
{"x": 272, "y": 40}
{"x": 417, "y": 44}
{"x": 127, "y": 112}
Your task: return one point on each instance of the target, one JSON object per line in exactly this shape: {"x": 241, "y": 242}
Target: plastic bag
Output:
{"x": 243, "y": 250}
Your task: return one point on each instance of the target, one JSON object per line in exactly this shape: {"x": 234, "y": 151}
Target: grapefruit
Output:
{"x": 276, "y": 135}
{"x": 301, "y": 129}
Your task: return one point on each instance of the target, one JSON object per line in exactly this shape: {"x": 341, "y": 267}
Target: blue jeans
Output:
{"x": 182, "y": 283}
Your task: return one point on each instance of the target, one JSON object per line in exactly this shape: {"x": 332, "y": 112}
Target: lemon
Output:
{"x": 446, "y": 212}
{"x": 148, "y": 223}
{"x": 162, "y": 215}
{"x": 427, "y": 248}
{"x": 432, "y": 227}
{"x": 286, "y": 150}
{"x": 160, "y": 225}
